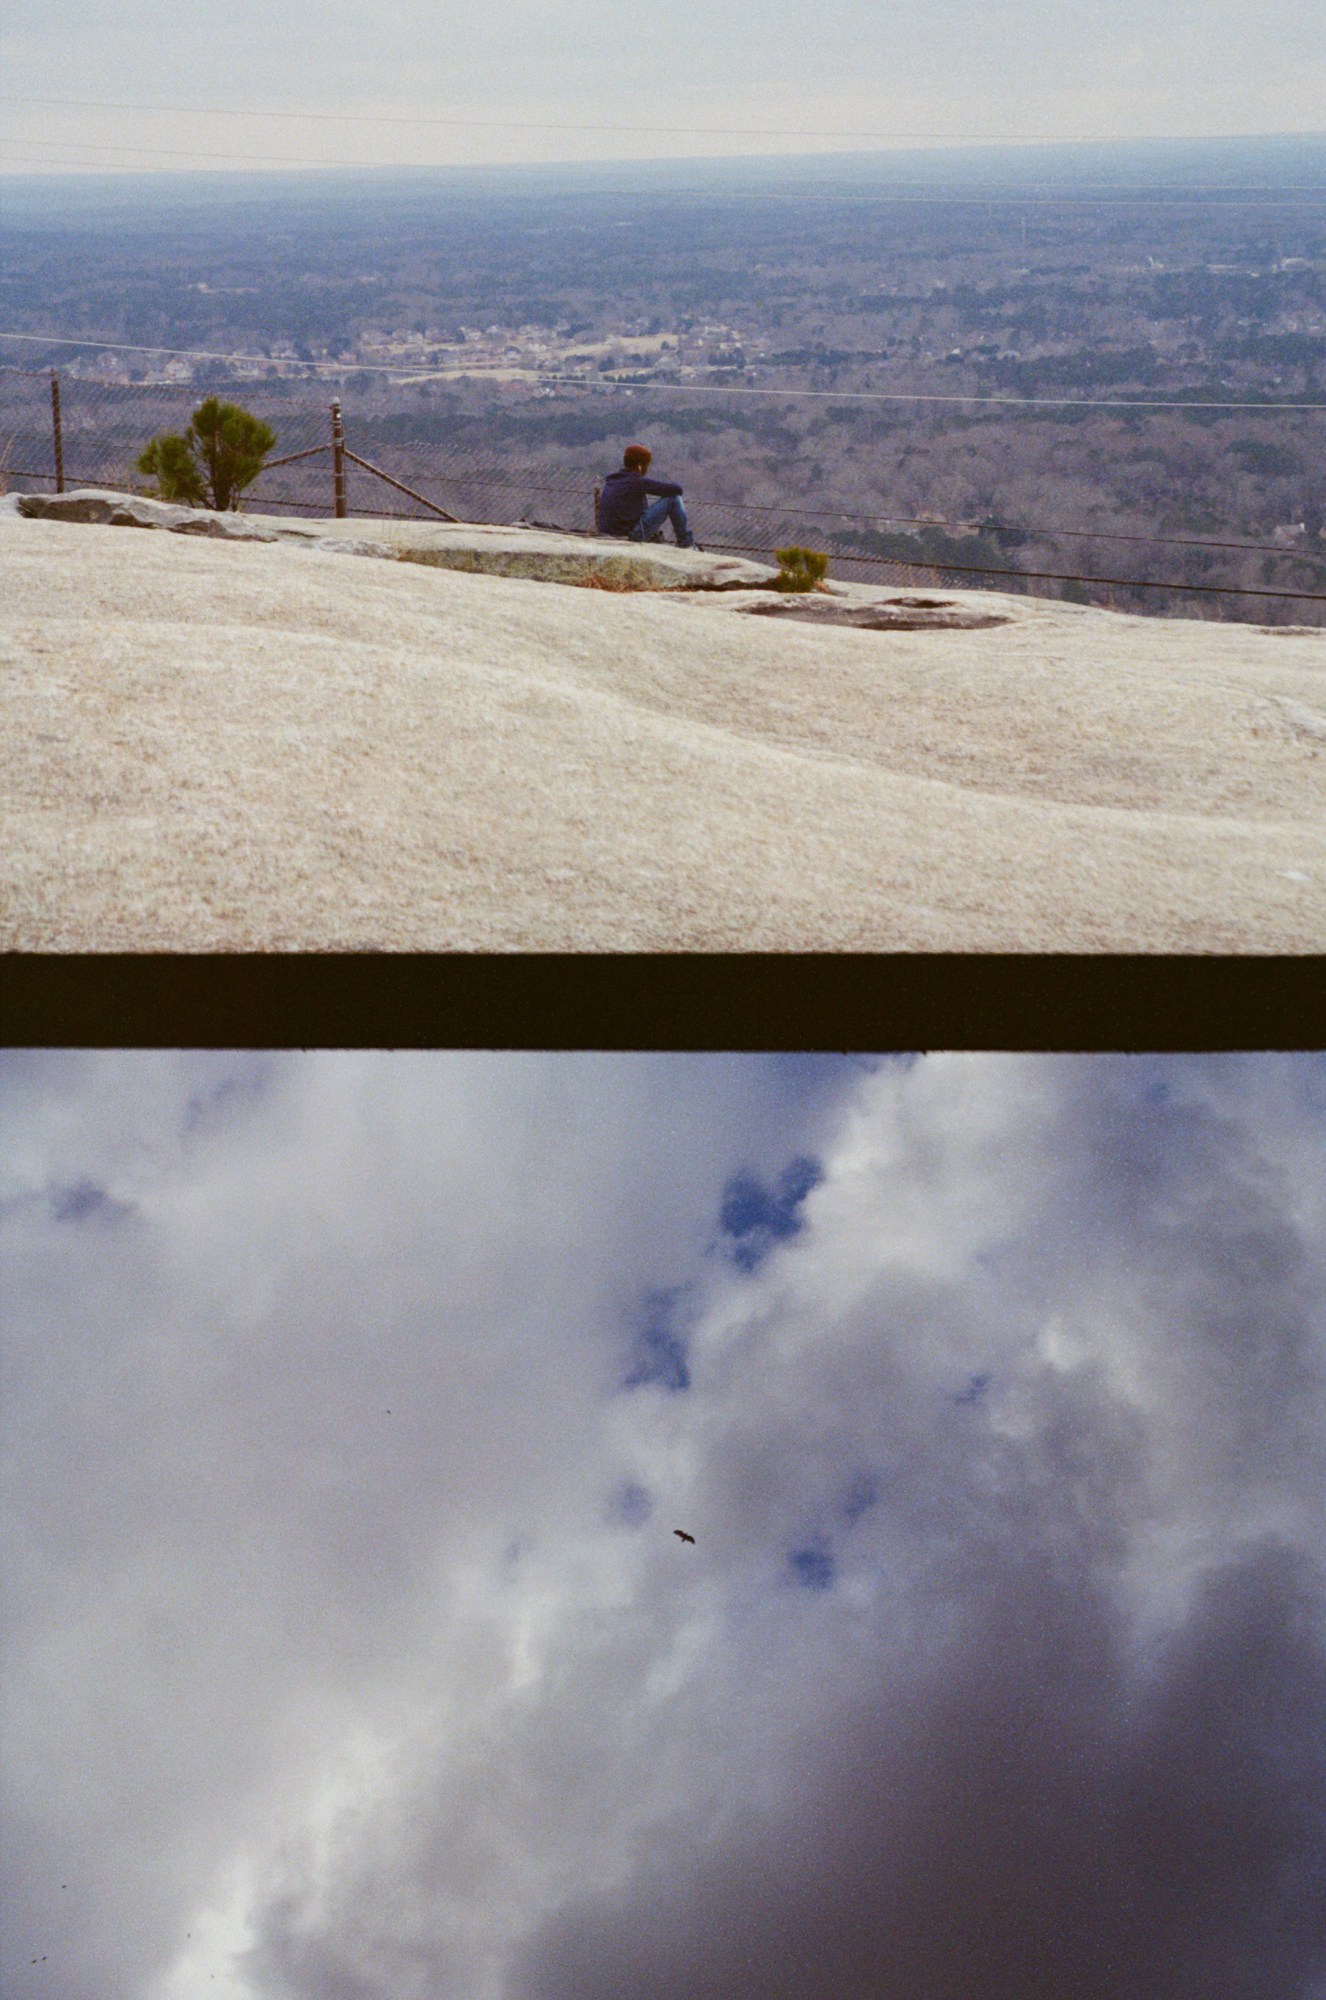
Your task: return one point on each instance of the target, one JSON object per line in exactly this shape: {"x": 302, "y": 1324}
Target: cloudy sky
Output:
{"x": 153, "y": 85}
{"x": 351, "y": 1401}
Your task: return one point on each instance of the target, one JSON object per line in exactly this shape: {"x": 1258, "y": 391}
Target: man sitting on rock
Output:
{"x": 625, "y": 509}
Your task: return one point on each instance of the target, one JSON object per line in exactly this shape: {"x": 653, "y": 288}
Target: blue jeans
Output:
{"x": 656, "y": 513}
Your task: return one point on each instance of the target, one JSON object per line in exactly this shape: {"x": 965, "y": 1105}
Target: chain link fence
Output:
{"x": 103, "y": 426}
{"x": 60, "y": 430}
{"x": 65, "y": 429}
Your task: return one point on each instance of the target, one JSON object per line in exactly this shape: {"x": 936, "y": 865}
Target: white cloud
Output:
{"x": 334, "y": 1642}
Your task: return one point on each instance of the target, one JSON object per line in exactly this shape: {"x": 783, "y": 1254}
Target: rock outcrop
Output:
{"x": 546, "y": 555}
{"x": 263, "y": 750}
{"x": 884, "y": 613}
{"x": 533, "y": 551}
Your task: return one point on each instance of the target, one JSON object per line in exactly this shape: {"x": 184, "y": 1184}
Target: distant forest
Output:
{"x": 1162, "y": 279}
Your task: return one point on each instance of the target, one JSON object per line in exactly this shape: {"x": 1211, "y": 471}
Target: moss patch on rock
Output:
{"x": 548, "y": 566}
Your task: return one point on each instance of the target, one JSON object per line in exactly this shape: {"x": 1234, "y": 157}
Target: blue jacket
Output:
{"x": 623, "y": 500}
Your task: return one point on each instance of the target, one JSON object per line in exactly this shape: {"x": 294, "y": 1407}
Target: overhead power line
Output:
{"x": 134, "y": 147}
{"x": 910, "y": 396}
{"x": 1204, "y": 196}
{"x": 465, "y": 471}
{"x": 468, "y": 471}
{"x": 404, "y": 373}
{"x": 1207, "y": 196}
{"x": 560, "y": 125}
{"x": 432, "y": 122}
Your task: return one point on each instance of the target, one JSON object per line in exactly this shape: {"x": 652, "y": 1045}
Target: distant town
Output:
{"x": 512, "y": 353}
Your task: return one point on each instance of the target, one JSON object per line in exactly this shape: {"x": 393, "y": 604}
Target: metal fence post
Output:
{"x": 58, "y": 432}
{"x": 338, "y": 461}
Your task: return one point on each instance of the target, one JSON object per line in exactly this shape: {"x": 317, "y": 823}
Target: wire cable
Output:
{"x": 131, "y": 151}
{"x": 516, "y": 124}
{"x": 472, "y": 472}
{"x": 956, "y": 196}
{"x": 909, "y": 396}
{"x": 484, "y": 475}
{"x": 405, "y": 373}
{"x": 921, "y": 563}
{"x": 557, "y": 125}
{"x": 1052, "y": 575}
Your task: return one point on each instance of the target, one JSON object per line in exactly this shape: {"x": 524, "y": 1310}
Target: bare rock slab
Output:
{"x": 220, "y": 749}
{"x": 883, "y": 614}
{"x": 102, "y": 507}
{"x": 544, "y": 555}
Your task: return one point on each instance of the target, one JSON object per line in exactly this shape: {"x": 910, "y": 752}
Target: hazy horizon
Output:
{"x": 1282, "y": 162}
{"x": 956, "y": 162}
{"x": 335, "y": 83}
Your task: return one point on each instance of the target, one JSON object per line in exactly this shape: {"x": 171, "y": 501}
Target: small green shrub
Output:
{"x": 220, "y": 453}
{"x": 800, "y": 569}
{"x": 169, "y": 461}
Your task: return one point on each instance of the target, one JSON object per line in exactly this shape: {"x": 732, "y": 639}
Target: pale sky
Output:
{"x": 676, "y": 80}
{"x": 350, "y": 1403}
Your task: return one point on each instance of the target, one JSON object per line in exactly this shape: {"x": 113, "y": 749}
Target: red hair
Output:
{"x": 636, "y": 458}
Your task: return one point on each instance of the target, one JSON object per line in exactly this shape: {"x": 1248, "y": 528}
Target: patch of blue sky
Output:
{"x": 804, "y": 1073}
{"x": 84, "y": 1200}
{"x": 812, "y": 1564}
{"x": 975, "y": 1388}
{"x": 859, "y": 1496}
{"x": 658, "y": 1355}
{"x": 230, "y": 1097}
{"x": 756, "y": 1217}
{"x": 632, "y": 1504}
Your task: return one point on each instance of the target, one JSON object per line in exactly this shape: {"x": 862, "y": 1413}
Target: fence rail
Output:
{"x": 105, "y": 427}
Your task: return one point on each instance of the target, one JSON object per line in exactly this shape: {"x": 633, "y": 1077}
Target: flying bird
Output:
{"x": 682, "y": 1535}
